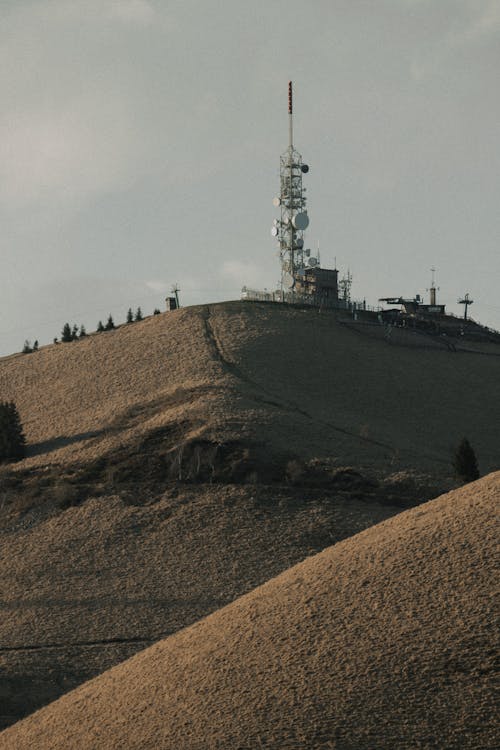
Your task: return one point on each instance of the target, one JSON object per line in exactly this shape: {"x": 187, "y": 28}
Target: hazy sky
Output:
{"x": 140, "y": 143}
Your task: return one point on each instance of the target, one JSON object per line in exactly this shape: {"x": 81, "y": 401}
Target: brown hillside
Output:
{"x": 85, "y": 588}
{"x": 383, "y": 641}
{"x": 288, "y": 380}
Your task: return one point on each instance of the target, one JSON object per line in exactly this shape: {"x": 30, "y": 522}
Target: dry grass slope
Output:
{"x": 384, "y": 640}
{"x": 296, "y": 381}
{"x": 83, "y": 589}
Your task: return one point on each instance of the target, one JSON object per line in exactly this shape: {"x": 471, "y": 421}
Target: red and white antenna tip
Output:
{"x": 290, "y": 98}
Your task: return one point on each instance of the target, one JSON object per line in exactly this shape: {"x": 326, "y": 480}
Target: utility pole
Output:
{"x": 466, "y": 301}
{"x": 176, "y": 290}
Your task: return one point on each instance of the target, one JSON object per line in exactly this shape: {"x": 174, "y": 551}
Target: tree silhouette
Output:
{"x": 67, "y": 333}
{"x": 130, "y": 315}
{"x": 138, "y": 314}
{"x": 83, "y": 332}
{"x": 12, "y": 440}
{"x": 110, "y": 324}
{"x": 465, "y": 462}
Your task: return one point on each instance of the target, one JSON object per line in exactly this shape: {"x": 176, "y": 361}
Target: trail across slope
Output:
{"x": 385, "y": 640}
{"x": 294, "y": 381}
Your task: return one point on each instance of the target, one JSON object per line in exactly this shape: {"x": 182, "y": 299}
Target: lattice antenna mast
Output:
{"x": 289, "y": 228}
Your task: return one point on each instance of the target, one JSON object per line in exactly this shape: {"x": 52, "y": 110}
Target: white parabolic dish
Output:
{"x": 300, "y": 221}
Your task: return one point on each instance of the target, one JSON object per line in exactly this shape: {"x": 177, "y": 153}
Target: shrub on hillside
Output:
{"x": 110, "y": 324}
{"x": 12, "y": 440}
{"x": 66, "y": 333}
{"x": 465, "y": 462}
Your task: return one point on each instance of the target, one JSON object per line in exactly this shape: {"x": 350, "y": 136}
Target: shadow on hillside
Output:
{"x": 47, "y": 446}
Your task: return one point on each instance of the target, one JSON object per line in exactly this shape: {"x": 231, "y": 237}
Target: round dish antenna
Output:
{"x": 312, "y": 262}
{"x": 276, "y": 201}
{"x": 300, "y": 221}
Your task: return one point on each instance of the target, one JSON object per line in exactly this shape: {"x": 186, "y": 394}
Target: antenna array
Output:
{"x": 289, "y": 228}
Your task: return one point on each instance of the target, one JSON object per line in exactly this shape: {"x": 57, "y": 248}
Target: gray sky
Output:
{"x": 140, "y": 143}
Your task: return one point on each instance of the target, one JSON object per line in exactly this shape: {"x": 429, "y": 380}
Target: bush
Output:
{"x": 465, "y": 462}
{"x": 12, "y": 440}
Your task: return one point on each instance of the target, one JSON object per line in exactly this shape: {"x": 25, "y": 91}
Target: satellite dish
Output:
{"x": 274, "y": 231}
{"x": 305, "y": 168}
{"x": 300, "y": 243}
{"x": 276, "y": 201}
{"x": 300, "y": 221}
{"x": 312, "y": 262}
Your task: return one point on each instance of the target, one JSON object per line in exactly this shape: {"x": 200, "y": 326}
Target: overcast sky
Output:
{"x": 140, "y": 144}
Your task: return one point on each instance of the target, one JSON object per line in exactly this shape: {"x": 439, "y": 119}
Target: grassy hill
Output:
{"x": 383, "y": 640}
{"x": 176, "y": 463}
{"x": 273, "y": 379}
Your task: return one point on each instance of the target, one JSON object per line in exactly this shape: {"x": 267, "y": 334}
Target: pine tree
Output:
{"x": 465, "y": 462}
{"x": 138, "y": 314}
{"x": 12, "y": 440}
{"x": 109, "y": 323}
{"x": 66, "y": 334}
{"x": 74, "y": 332}
{"x": 27, "y": 347}
{"x": 35, "y": 345}
{"x": 156, "y": 311}
{"x": 83, "y": 332}
{"x": 130, "y": 315}
{"x": 100, "y": 327}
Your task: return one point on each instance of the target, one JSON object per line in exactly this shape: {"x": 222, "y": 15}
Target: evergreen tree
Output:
{"x": 83, "y": 332}
{"x": 156, "y": 311}
{"x": 100, "y": 327}
{"x": 130, "y": 315}
{"x": 66, "y": 334}
{"x": 109, "y": 323}
{"x": 12, "y": 440}
{"x": 138, "y": 314}
{"x": 465, "y": 462}
{"x": 35, "y": 345}
{"x": 27, "y": 347}
{"x": 74, "y": 332}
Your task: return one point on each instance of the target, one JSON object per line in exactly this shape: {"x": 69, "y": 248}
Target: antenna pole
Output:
{"x": 290, "y": 115}
{"x": 466, "y": 301}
